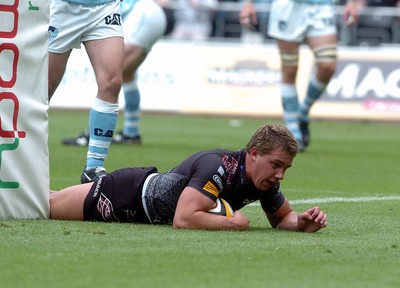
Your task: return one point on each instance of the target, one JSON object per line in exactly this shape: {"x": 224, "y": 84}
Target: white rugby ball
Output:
{"x": 221, "y": 207}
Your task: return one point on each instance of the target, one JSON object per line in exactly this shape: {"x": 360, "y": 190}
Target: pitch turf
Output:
{"x": 350, "y": 170}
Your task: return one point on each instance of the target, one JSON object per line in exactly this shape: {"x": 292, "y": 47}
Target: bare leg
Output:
{"x": 107, "y": 66}
{"x": 57, "y": 65}
{"x": 134, "y": 57}
{"x": 106, "y": 56}
{"x": 289, "y": 93}
{"x": 67, "y": 204}
{"x": 325, "y": 68}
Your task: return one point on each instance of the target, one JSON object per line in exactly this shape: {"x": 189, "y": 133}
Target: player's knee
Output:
{"x": 289, "y": 74}
{"x": 326, "y": 69}
{"x": 326, "y": 57}
{"x": 111, "y": 86}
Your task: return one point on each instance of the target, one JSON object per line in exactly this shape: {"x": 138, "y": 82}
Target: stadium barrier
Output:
{"x": 24, "y": 163}
{"x": 242, "y": 79}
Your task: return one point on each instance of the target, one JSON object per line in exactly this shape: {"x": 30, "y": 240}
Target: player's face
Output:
{"x": 268, "y": 169}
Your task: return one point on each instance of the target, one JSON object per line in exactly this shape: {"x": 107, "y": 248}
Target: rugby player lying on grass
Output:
{"x": 184, "y": 195}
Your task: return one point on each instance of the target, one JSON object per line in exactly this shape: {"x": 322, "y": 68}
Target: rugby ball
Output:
{"x": 221, "y": 207}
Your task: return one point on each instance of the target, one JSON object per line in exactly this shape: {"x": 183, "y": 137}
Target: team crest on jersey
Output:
{"x": 53, "y": 32}
{"x": 114, "y": 19}
{"x": 282, "y": 25}
{"x": 230, "y": 165}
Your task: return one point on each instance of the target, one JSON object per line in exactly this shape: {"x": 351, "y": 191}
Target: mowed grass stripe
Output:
{"x": 339, "y": 199}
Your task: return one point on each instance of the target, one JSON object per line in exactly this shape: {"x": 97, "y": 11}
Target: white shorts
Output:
{"x": 71, "y": 24}
{"x": 294, "y": 21}
{"x": 144, "y": 24}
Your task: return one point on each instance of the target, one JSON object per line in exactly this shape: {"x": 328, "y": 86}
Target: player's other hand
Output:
{"x": 312, "y": 220}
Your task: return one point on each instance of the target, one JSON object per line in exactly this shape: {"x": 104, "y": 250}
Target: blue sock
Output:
{"x": 290, "y": 105}
{"x": 132, "y": 110}
{"x": 314, "y": 91}
{"x": 102, "y": 119}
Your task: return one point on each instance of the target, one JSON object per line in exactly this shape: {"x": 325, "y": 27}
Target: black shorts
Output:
{"x": 116, "y": 197}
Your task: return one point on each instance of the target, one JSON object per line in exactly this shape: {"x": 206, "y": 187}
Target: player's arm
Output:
{"x": 192, "y": 213}
{"x": 285, "y": 218}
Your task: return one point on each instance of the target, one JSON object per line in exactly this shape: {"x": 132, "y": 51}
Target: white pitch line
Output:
{"x": 344, "y": 199}
{"x": 341, "y": 199}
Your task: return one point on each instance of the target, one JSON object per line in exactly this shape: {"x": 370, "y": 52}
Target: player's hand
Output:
{"x": 350, "y": 14}
{"x": 248, "y": 16}
{"x": 240, "y": 220}
{"x": 312, "y": 220}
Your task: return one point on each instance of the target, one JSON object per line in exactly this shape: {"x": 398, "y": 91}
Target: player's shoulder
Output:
{"x": 209, "y": 160}
{"x": 217, "y": 154}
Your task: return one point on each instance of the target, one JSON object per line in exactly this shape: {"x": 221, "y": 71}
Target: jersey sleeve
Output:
{"x": 273, "y": 200}
{"x": 208, "y": 176}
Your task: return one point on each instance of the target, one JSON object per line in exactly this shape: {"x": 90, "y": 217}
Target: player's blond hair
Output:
{"x": 270, "y": 137}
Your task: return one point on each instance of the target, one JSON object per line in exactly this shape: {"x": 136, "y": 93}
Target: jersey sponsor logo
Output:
{"x": 218, "y": 180}
{"x": 114, "y": 19}
{"x": 96, "y": 190}
{"x": 210, "y": 187}
{"x": 328, "y": 21}
{"x": 125, "y": 215}
{"x": 248, "y": 201}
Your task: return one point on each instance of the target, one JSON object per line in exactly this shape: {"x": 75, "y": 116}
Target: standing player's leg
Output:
{"x": 104, "y": 112}
{"x": 134, "y": 56}
{"x": 57, "y": 65}
{"x": 289, "y": 52}
{"x": 143, "y": 26}
{"x": 287, "y": 24}
{"x": 322, "y": 39}
{"x": 324, "y": 49}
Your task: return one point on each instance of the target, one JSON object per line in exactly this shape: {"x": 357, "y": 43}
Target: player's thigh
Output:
{"x": 321, "y": 41}
{"x": 134, "y": 57}
{"x": 57, "y": 65}
{"x": 106, "y": 56}
{"x": 67, "y": 204}
{"x": 286, "y": 46}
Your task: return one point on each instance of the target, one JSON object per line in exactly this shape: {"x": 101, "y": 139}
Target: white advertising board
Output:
{"x": 243, "y": 79}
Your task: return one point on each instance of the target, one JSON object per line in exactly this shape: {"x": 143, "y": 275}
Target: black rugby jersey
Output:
{"x": 215, "y": 173}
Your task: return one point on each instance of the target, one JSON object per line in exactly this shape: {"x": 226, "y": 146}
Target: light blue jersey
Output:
{"x": 127, "y": 6}
{"x": 89, "y": 2}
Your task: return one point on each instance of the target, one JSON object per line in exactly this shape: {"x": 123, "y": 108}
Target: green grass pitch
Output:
{"x": 351, "y": 170}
